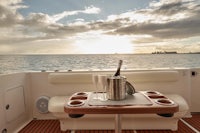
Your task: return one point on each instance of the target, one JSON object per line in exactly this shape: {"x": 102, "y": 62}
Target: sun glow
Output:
{"x": 104, "y": 44}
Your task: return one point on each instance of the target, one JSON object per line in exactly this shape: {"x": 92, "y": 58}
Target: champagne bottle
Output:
{"x": 117, "y": 73}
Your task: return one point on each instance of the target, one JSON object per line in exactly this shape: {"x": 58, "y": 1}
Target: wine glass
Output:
{"x": 102, "y": 79}
{"x": 95, "y": 82}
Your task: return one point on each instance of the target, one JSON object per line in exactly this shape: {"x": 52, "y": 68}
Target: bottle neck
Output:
{"x": 119, "y": 68}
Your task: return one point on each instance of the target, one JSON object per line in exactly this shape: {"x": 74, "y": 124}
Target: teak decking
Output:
{"x": 52, "y": 126}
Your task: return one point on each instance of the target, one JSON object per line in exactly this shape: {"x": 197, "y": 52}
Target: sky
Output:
{"x": 99, "y": 26}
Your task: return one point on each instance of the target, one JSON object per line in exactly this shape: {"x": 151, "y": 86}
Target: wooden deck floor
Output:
{"x": 186, "y": 125}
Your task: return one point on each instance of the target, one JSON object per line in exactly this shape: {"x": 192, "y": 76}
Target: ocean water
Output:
{"x": 24, "y": 63}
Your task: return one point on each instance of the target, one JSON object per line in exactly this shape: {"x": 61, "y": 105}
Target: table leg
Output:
{"x": 118, "y": 123}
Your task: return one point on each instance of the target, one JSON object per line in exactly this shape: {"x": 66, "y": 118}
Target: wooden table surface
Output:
{"x": 80, "y": 103}
{"x": 154, "y": 107}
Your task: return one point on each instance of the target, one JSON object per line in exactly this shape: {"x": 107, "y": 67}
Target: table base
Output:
{"x": 118, "y": 123}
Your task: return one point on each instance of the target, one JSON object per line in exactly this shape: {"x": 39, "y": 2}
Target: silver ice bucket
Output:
{"x": 116, "y": 89}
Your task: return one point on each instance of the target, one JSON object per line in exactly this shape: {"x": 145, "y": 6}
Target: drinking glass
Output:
{"x": 102, "y": 79}
{"x": 95, "y": 82}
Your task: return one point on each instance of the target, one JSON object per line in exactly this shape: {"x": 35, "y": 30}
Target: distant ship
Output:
{"x": 165, "y": 52}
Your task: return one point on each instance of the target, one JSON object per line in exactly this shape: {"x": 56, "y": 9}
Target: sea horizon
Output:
{"x": 65, "y": 62}
{"x": 104, "y": 53}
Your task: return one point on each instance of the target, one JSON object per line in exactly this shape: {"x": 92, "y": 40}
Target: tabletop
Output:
{"x": 142, "y": 102}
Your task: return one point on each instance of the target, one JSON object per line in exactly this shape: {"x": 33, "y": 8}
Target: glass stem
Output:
{"x": 96, "y": 91}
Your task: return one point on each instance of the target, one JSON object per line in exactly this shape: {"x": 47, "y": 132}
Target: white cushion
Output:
{"x": 153, "y": 76}
{"x": 56, "y": 104}
{"x": 183, "y": 106}
{"x": 147, "y": 76}
{"x": 70, "y": 78}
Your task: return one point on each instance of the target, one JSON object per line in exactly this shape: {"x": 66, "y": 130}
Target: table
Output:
{"x": 142, "y": 102}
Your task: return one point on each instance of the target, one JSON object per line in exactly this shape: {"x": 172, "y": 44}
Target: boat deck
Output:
{"x": 186, "y": 125}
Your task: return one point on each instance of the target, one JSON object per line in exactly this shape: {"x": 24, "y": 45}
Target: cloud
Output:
{"x": 47, "y": 25}
{"x": 184, "y": 24}
{"x": 168, "y": 9}
{"x": 41, "y": 18}
{"x": 8, "y": 17}
{"x": 161, "y": 21}
{"x": 40, "y": 26}
{"x": 107, "y": 25}
{"x": 87, "y": 10}
{"x": 178, "y": 29}
{"x": 12, "y": 4}
{"x": 91, "y": 10}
